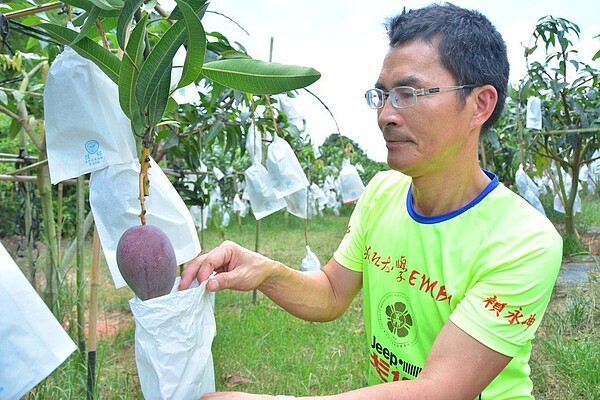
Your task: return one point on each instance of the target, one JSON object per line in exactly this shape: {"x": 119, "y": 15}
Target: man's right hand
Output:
{"x": 236, "y": 268}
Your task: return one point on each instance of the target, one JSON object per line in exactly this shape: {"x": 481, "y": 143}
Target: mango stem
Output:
{"x": 144, "y": 181}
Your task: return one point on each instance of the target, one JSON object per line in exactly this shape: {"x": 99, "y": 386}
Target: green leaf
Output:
{"x": 214, "y": 130}
{"x": 196, "y": 45}
{"x": 171, "y": 105}
{"x": 14, "y": 129}
{"x": 530, "y": 50}
{"x": 87, "y": 5}
{"x": 259, "y": 77}
{"x": 103, "y": 58}
{"x": 80, "y": 19}
{"x": 132, "y": 60}
{"x": 159, "y": 60}
{"x": 158, "y": 101}
{"x": 199, "y": 7}
{"x": 103, "y": 4}
{"x": 149, "y": 6}
{"x": 90, "y": 22}
{"x": 125, "y": 18}
{"x": 596, "y": 56}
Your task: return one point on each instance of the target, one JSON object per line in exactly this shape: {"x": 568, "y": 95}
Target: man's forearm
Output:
{"x": 306, "y": 295}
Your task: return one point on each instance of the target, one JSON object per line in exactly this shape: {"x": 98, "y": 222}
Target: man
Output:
{"x": 456, "y": 270}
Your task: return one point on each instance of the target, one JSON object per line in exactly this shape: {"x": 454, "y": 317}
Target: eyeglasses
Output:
{"x": 405, "y": 96}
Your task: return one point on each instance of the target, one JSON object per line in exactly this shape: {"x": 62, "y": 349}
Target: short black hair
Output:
{"x": 469, "y": 46}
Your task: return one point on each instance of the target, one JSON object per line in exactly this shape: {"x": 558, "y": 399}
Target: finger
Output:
{"x": 190, "y": 272}
{"x": 218, "y": 282}
{"x": 203, "y": 266}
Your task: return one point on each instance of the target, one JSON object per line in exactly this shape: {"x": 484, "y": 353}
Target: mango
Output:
{"x": 146, "y": 260}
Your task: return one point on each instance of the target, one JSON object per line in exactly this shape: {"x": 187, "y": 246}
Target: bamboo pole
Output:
{"x": 256, "y": 247}
{"x": 33, "y": 10}
{"x": 59, "y": 216}
{"x": 29, "y": 167}
{"x": 28, "y": 217}
{"x": 80, "y": 270}
{"x": 563, "y": 131}
{"x": 71, "y": 250}
{"x": 29, "y": 236}
{"x": 29, "y": 178}
{"x": 45, "y": 193}
{"x": 93, "y": 316}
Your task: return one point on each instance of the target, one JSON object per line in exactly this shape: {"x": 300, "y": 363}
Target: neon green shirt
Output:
{"x": 489, "y": 267}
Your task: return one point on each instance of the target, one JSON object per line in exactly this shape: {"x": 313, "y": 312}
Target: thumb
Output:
{"x": 217, "y": 283}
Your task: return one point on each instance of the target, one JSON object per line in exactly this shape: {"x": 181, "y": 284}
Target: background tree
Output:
{"x": 338, "y": 147}
{"x": 569, "y": 93}
{"x": 134, "y": 45}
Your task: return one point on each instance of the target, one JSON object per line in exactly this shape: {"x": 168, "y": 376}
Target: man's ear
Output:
{"x": 485, "y": 98}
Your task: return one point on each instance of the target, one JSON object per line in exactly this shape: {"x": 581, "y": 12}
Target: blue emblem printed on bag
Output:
{"x": 92, "y": 146}
{"x": 94, "y": 155}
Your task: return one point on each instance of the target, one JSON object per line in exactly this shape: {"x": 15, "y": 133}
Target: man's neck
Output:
{"x": 439, "y": 194}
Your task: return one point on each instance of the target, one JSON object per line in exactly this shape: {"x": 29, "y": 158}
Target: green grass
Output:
{"x": 589, "y": 215}
{"x": 262, "y": 349}
{"x": 566, "y": 355}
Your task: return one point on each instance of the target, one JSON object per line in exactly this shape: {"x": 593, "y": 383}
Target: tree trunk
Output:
{"x": 570, "y": 227}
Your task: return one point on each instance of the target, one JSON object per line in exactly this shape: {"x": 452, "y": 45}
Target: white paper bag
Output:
{"x": 310, "y": 262}
{"x": 287, "y": 106}
{"x": 534, "y": 113}
{"x": 260, "y": 193}
{"x": 86, "y": 130}
{"x": 187, "y": 94}
{"x": 254, "y": 144}
{"x": 114, "y": 193}
{"x": 32, "y": 342}
{"x": 173, "y": 339}
{"x": 218, "y": 173}
{"x": 240, "y": 206}
{"x": 285, "y": 171}
{"x": 319, "y": 196}
{"x": 528, "y": 189}
{"x": 200, "y": 216}
{"x": 300, "y": 204}
{"x": 351, "y": 184}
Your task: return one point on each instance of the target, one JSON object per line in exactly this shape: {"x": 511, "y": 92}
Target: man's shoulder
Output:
{"x": 386, "y": 183}
{"x": 517, "y": 212}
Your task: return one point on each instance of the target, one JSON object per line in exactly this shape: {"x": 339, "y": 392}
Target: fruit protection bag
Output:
{"x": 310, "y": 262}
{"x": 284, "y": 169}
{"x": 350, "y": 182}
{"x": 114, "y": 193}
{"x": 534, "y": 113}
{"x": 86, "y": 130}
{"x": 259, "y": 192}
{"x": 33, "y": 343}
{"x": 528, "y": 189}
{"x": 301, "y": 204}
{"x": 173, "y": 339}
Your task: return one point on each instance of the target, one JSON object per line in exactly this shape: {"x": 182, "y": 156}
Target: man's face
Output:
{"x": 434, "y": 136}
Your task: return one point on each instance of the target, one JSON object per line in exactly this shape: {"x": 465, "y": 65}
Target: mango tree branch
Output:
{"x": 8, "y": 112}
